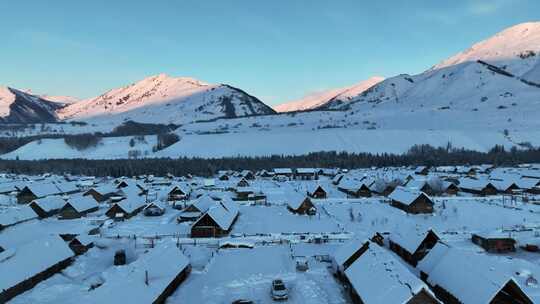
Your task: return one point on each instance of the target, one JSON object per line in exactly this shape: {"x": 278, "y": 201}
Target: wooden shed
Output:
{"x": 494, "y": 243}
{"x": 317, "y": 191}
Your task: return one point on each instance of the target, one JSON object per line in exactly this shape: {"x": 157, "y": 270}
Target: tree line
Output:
{"x": 417, "y": 155}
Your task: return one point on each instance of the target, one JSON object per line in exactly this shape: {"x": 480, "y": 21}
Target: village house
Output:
{"x": 372, "y": 274}
{"x": 80, "y": 244}
{"x": 494, "y": 242}
{"x": 16, "y": 216}
{"x": 217, "y": 221}
{"x": 421, "y": 170}
{"x": 306, "y": 174}
{"x": 30, "y": 264}
{"x": 412, "y": 245}
{"x": 195, "y": 209}
{"x": 481, "y": 187}
{"x": 337, "y": 179}
{"x": 356, "y": 188}
{"x": 178, "y": 192}
{"x": 242, "y": 183}
{"x": 286, "y": 172}
{"x": 126, "y": 208}
{"x": 317, "y": 191}
{"x": 154, "y": 209}
{"x": 47, "y": 206}
{"x": 34, "y": 191}
{"x": 77, "y": 207}
{"x": 153, "y": 277}
{"x": 346, "y": 255}
{"x": 301, "y": 205}
{"x": 102, "y": 193}
{"x": 247, "y": 174}
{"x": 411, "y": 201}
{"x": 462, "y": 276}
{"x": 505, "y": 186}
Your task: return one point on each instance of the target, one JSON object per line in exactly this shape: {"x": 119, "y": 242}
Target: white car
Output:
{"x": 279, "y": 291}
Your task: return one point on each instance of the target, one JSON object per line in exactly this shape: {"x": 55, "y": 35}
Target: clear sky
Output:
{"x": 277, "y": 50}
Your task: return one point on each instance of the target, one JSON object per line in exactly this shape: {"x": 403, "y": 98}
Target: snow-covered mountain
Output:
{"x": 165, "y": 99}
{"x": 321, "y": 99}
{"x": 20, "y": 107}
{"x": 493, "y": 84}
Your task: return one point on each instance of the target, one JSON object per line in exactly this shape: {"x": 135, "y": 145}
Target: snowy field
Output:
{"x": 274, "y": 239}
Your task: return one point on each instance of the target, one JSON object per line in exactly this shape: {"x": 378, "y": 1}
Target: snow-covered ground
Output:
{"x": 278, "y": 239}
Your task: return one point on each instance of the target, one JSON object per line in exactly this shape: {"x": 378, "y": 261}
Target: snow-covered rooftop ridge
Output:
{"x": 379, "y": 278}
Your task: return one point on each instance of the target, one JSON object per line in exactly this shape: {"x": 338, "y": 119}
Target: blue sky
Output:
{"x": 277, "y": 50}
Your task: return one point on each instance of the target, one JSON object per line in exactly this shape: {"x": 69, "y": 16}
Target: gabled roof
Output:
{"x": 31, "y": 259}
{"x": 473, "y": 184}
{"x": 203, "y": 203}
{"x": 50, "y": 203}
{"x": 406, "y": 196}
{"x": 16, "y": 215}
{"x": 378, "y": 277}
{"x": 163, "y": 264}
{"x": 295, "y": 200}
{"x": 282, "y": 170}
{"x": 410, "y": 238}
{"x": 130, "y": 205}
{"x": 43, "y": 189}
{"x": 67, "y": 187}
{"x": 343, "y": 253}
{"x": 469, "y": 276}
{"x": 82, "y": 203}
{"x": 223, "y": 213}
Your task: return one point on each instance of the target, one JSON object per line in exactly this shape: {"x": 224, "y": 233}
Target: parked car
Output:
{"x": 279, "y": 291}
{"x": 243, "y": 301}
{"x": 302, "y": 264}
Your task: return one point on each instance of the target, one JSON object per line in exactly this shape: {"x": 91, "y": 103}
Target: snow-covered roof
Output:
{"x": 347, "y": 250}
{"x": 127, "y": 283}
{"x": 16, "y": 215}
{"x": 306, "y": 170}
{"x": 405, "y": 196}
{"x": 469, "y": 276}
{"x": 378, "y": 277}
{"x": 50, "y": 202}
{"x": 295, "y": 200}
{"x": 223, "y": 213}
{"x": 43, "y": 189}
{"x": 409, "y": 238}
{"x": 473, "y": 184}
{"x": 67, "y": 187}
{"x": 130, "y": 205}
{"x": 203, "y": 203}
{"x": 82, "y": 203}
{"x": 31, "y": 259}
{"x": 282, "y": 170}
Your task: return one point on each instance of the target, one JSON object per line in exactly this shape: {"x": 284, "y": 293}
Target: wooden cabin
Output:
{"x": 317, "y": 192}
{"x": 477, "y": 187}
{"x": 77, "y": 207}
{"x": 371, "y": 275}
{"x": 494, "y": 243}
{"x": 306, "y": 174}
{"x": 462, "y": 276}
{"x": 411, "y": 201}
{"x": 301, "y": 205}
{"x": 125, "y": 209}
{"x": 47, "y": 206}
{"x": 178, "y": 193}
{"x": 217, "y": 221}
